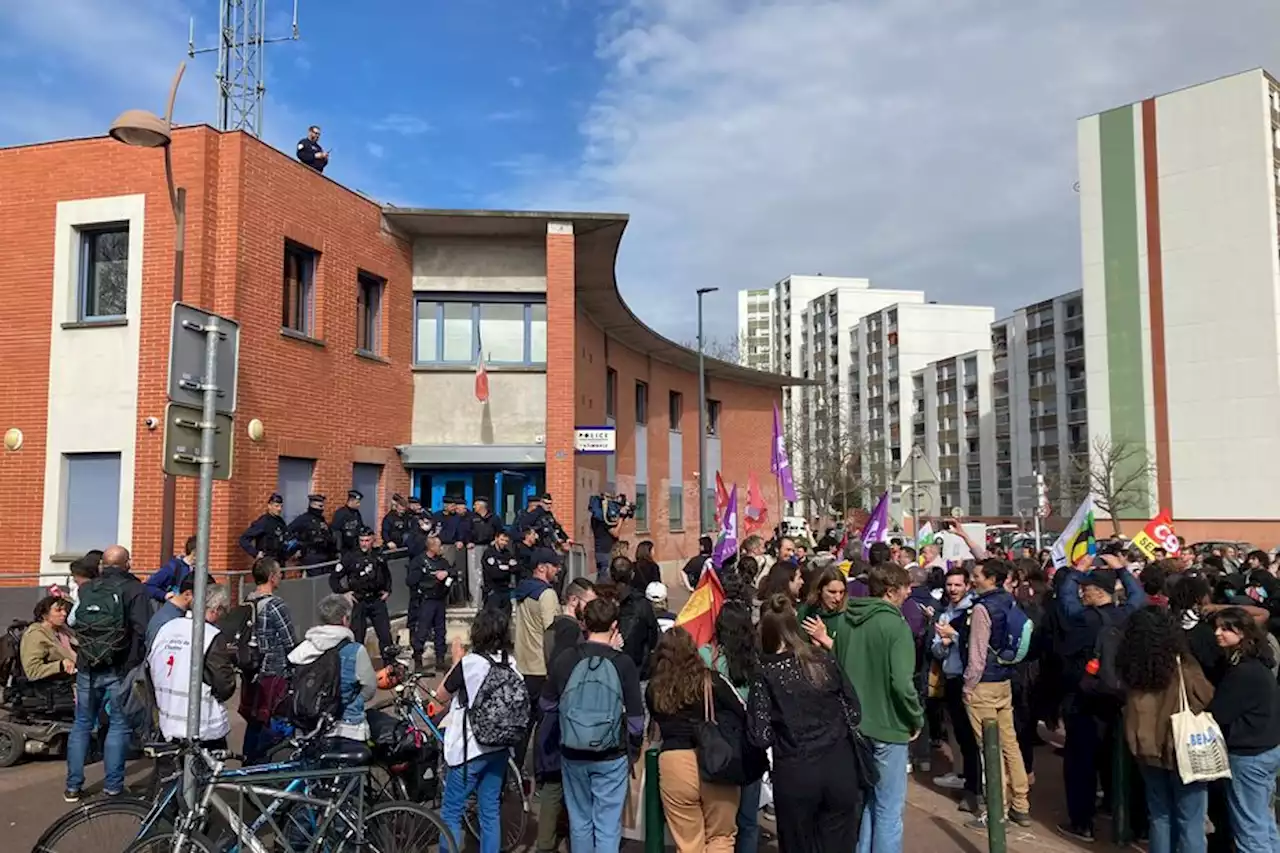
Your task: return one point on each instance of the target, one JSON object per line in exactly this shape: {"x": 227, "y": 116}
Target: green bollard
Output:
{"x": 993, "y": 762}
{"x": 655, "y": 826}
{"x": 1121, "y": 768}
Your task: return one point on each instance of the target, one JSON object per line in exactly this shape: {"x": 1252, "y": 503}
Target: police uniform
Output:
{"x": 268, "y": 535}
{"x": 433, "y": 593}
{"x": 419, "y": 526}
{"x": 455, "y": 534}
{"x": 499, "y": 568}
{"x": 365, "y": 575}
{"x": 315, "y": 539}
{"x": 308, "y": 151}
{"x": 347, "y": 524}
{"x": 395, "y": 524}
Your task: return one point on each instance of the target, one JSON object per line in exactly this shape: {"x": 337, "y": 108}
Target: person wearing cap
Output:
{"x": 267, "y": 536}
{"x": 430, "y": 578}
{"x": 536, "y": 607}
{"x": 347, "y": 524}
{"x": 362, "y": 573}
{"x": 395, "y": 524}
{"x": 656, "y": 593}
{"x": 499, "y": 568}
{"x": 1086, "y": 605}
{"x": 314, "y": 538}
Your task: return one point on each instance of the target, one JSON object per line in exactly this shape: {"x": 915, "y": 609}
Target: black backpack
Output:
{"x": 11, "y": 652}
{"x": 240, "y": 627}
{"x": 102, "y": 623}
{"x": 1101, "y": 678}
{"x": 500, "y": 714}
{"x": 315, "y": 691}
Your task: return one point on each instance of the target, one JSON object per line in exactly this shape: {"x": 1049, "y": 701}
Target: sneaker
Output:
{"x": 950, "y": 782}
{"x": 107, "y": 793}
{"x": 971, "y": 804}
{"x": 1079, "y": 833}
{"x": 1020, "y": 818}
{"x": 978, "y": 824}
{"x": 71, "y": 796}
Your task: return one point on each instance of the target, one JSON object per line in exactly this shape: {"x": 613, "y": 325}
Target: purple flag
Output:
{"x": 727, "y": 544}
{"x": 779, "y": 465}
{"x": 877, "y": 525}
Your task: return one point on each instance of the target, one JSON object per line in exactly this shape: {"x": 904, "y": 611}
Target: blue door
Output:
{"x": 461, "y": 484}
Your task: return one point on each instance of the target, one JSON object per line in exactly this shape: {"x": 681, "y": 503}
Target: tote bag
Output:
{"x": 1197, "y": 741}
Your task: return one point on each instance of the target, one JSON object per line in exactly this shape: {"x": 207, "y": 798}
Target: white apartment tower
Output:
{"x": 756, "y": 329}
{"x": 953, "y": 421}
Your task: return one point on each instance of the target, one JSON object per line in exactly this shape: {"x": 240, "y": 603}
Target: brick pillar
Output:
{"x": 561, "y": 358}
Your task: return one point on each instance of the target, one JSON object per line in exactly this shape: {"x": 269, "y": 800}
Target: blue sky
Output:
{"x": 923, "y": 145}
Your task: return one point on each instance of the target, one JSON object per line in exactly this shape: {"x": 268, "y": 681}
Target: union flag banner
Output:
{"x": 1158, "y": 533}
{"x": 699, "y": 614}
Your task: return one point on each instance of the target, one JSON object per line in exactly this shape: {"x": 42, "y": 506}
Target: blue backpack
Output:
{"x": 1012, "y": 647}
{"x": 591, "y": 707}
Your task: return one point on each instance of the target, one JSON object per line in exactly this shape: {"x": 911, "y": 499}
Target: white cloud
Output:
{"x": 402, "y": 123}
{"x": 925, "y": 145}
{"x": 375, "y": 150}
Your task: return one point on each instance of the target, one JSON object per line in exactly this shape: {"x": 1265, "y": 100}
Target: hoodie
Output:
{"x": 876, "y": 651}
{"x": 952, "y": 654}
{"x": 535, "y": 607}
{"x": 359, "y": 681}
{"x": 168, "y": 579}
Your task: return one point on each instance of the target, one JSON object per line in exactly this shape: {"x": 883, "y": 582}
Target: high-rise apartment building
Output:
{"x": 1040, "y": 405}
{"x": 1181, "y": 266}
{"x": 952, "y": 422}
{"x": 755, "y": 328}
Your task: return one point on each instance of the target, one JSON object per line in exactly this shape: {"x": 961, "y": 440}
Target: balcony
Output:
{"x": 971, "y": 429}
{"x": 1077, "y": 416}
{"x": 1077, "y": 384}
{"x": 1002, "y": 420}
{"x": 971, "y": 406}
{"x": 1075, "y": 352}
{"x": 1073, "y": 323}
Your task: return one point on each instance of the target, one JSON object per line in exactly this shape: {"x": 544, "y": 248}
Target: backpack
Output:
{"x": 102, "y": 623}
{"x": 1011, "y": 648}
{"x": 11, "y": 652}
{"x": 240, "y": 627}
{"x": 591, "y": 706}
{"x": 500, "y": 714}
{"x": 315, "y": 691}
{"x": 1101, "y": 677}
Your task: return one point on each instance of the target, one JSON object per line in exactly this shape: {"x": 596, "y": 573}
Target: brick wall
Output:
{"x": 561, "y": 355}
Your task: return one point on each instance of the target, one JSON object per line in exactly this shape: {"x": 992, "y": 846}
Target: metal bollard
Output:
{"x": 993, "y": 763}
{"x": 655, "y": 826}
{"x": 1121, "y": 768}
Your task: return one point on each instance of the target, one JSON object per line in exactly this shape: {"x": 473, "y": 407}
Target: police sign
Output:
{"x": 595, "y": 439}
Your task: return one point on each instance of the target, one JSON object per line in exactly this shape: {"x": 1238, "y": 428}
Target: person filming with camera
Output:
{"x": 607, "y": 514}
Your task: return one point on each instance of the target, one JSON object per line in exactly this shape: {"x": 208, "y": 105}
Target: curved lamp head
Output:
{"x": 141, "y": 128}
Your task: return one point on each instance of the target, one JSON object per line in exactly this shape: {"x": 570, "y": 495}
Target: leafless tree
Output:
{"x": 827, "y": 463}
{"x": 1119, "y": 475}
{"x": 724, "y": 349}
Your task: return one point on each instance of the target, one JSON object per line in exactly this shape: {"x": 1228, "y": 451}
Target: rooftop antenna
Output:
{"x": 242, "y": 40}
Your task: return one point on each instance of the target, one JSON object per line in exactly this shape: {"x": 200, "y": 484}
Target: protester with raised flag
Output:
{"x": 877, "y": 527}
{"x": 699, "y": 614}
{"x": 779, "y": 464}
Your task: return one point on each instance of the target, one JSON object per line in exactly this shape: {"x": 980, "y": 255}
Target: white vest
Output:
{"x": 170, "y": 664}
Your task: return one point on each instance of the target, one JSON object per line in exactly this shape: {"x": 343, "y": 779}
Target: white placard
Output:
{"x": 595, "y": 439}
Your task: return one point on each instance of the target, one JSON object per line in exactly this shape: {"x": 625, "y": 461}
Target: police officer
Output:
{"x": 500, "y": 568}
{"x": 314, "y": 537}
{"x": 455, "y": 533}
{"x": 529, "y": 518}
{"x": 484, "y": 524}
{"x": 395, "y": 524}
{"x": 553, "y": 534}
{"x": 310, "y": 152}
{"x": 523, "y": 549}
{"x": 430, "y": 575}
{"x": 363, "y": 574}
{"x": 267, "y": 536}
{"x": 348, "y": 522}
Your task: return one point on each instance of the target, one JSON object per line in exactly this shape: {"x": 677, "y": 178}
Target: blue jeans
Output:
{"x": 1175, "y": 811}
{"x": 594, "y": 793}
{"x": 1253, "y": 784}
{"x": 484, "y": 775}
{"x": 881, "y": 830}
{"x": 96, "y": 692}
{"x": 748, "y": 840}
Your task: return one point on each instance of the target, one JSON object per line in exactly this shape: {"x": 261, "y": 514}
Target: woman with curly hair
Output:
{"x": 1154, "y": 663}
{"x": 1247, "y": 707}
{"x": 701, "y": 815}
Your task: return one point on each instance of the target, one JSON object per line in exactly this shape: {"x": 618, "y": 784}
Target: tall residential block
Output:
{"x": 756, "y": 329}
{"x": 952, "y": 420}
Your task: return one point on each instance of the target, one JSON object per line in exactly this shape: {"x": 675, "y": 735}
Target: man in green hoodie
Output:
{"x": 876, "y": 651}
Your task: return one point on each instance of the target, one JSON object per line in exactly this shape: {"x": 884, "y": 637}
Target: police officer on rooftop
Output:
{"x": 348, "y": 522}
{"x": 310, "y": 152}
{"x": 266, "y": 537}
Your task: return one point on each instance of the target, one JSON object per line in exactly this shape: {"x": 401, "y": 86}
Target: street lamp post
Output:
{"x": 145, "y": 129}
{"x": 702, "y": 419}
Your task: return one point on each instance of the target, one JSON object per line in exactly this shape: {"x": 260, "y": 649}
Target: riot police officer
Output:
{"x": 499, "y": 567}
{"x": 455, "y": 534}
{"x": 267, "y": 536}
{"x": 484, "y": 524}
{"x": 362, "y": 572}
{"x": 315, "y": 539}
{"x": 395, "y": 524}
{"x": 348, "y": 522}
{"x": 430, "y": 575}
{"x": 421, "y": 528}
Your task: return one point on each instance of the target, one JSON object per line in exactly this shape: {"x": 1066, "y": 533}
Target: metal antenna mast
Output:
{"x": 242, "y": 39}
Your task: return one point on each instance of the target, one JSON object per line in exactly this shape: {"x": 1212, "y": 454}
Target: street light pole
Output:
{"x": 702, "y": 418}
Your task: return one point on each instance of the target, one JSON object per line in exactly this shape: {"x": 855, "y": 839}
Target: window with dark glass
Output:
{"x": 104, "y": 272}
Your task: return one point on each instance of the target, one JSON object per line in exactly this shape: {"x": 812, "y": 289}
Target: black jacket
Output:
{"x": 395, "y": 528}
{"x": 307, "y": 151}
{"x": 422, "y": 575}
{"x": 801, "y": 721}
{"x": 484, "y": 528}
{"x": 314, "y": 537}
{"x": 362, "y": 573}
{"x": 1246, "y": 704}
{"x": 638, "y": 625}
{"x": 266, "y": 535}
{"x": 137, "y": 609}
{"x": 220, "y": 668}
{"x": 346, "y": 526}
{"x": 499, "y": 569}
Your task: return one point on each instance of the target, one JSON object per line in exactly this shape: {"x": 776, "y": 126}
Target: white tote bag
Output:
{"x": 1198, "y": 742}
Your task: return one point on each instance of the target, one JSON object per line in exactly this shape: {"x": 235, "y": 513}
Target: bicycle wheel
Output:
{"x": 110, "y": 824}
{"x": 166, "y": 842}
{"x": 513, "y": 808}
{"x": 405, "y": 828}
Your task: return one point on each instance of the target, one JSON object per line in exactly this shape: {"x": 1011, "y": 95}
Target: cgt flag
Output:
{"x": 727, "y": 544}
{"x": 1077, "y": 540}
{"x": 1158, "y": 533}
{"x": 699, "y": 614}
{"x": 757, "y": 514}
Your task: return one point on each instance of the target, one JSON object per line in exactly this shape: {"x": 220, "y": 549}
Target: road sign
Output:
{"x": 925, "y": 495}
{"x": 187, "y": 353}
{"x": 923, "y": 473}
{"x": 182, "y": 442}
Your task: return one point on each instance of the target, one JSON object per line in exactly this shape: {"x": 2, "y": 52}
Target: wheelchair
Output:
{"x": 35, "y": 718}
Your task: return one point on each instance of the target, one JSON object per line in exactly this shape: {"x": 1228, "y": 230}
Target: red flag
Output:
{"x": 482, "y": 378}
{"x": 757, "y": 515}
{"x": 699, "y": 614}
{"x": 722, "y": 499}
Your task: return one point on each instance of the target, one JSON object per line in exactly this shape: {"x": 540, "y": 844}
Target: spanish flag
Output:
{"x": 1078, "y": 540}
{"x": 699, "y": 614}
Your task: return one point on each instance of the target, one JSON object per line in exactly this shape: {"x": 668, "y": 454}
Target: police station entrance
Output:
{"x": 508, "y": 490}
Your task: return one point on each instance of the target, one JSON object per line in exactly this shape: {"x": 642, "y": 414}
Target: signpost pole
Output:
{"x": 915, "y": 521}
{"x": 1039, "y": 506}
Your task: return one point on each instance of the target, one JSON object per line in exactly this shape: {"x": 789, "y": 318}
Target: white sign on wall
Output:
{"x": 595, "y": 439}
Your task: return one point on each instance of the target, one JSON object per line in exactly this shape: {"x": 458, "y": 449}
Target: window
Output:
{"x": 675, "y": 409}
{"x": 642, "y": 403}
{"x": 104, "y": 273}
{"x": 369, "y": 313}
{"x": 642, "y": 507}
{"x": 675, "y": 508}
{"x": 293, "y": 482}
{"x": 299, "y": 288}
{"x": 90, "y": 502}
{"x": 611, "y": 393}
{"x": 453, "y": 331}
{"x": 713, "y": 417}
{"x": 367, "y": 479}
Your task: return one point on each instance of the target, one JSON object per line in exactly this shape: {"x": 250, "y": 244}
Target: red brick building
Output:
{"x": 360, "y": 329}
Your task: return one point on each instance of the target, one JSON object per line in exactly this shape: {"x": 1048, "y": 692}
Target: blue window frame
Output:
{"x": 452, "y": 329}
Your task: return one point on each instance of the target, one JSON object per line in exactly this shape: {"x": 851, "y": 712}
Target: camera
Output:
{"x": 610, "y": 508}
